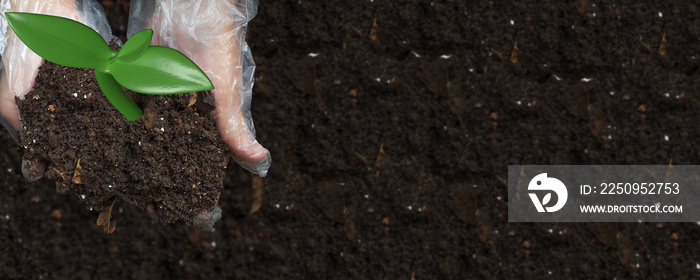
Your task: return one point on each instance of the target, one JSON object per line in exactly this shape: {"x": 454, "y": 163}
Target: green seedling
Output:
{"x": 137, "y": 66}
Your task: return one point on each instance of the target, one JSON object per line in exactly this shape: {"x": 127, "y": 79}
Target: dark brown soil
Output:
{"x": 390, "y": 158}
{"x": 170, "y": 162}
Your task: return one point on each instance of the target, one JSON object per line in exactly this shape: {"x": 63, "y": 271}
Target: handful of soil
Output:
{"x": 171, "y": 162}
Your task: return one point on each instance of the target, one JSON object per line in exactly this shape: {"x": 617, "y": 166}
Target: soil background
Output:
{"x": 391, "y": 125}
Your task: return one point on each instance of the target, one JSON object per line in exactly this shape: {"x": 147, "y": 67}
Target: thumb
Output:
{"x": 238, "y": 132}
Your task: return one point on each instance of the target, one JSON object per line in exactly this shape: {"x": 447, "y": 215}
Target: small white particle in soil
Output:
{"x": 697, "y": 266}
{"x": 549, "y": 272}
{"x": 416, "y": 54}
{"x": 110, "y": 186}
{"x": 556, "y": 77}
{"x": 181, "y": 262}
{"x": 444, "y": 56}
{"x": 286, "y": 207}
{"x": 661, "y": 14}
{"x": 33, "y": 140}
{"x": 213, "y": 244}
{"x": 75, "y": 94}
{"x": 139, "y": 143}
{"x": 586, "y": 80}
{"x": 7, "y": 217}
{"x": 162, "y": 129}
{"x": 121, "y": 210}
{"x": 550, "y": 230}
{"x": 378, "y": 79}
{"x": 666, "y": 137}
{"x": 277, "y": 206}
{"x": 313, "y": 54}
{"x": 410, "y": 207}
{"x": 498, "y": 197}
{"x": 82, "y": 196}
{"x": 518, "y": 102}
{"x": 512, "y": 22}
{"x": 667, "y": 95}
{"x": 9, "y": 170}
{"x": 84, "y": 96}
{"x": 90, "y": 208}
{"x": 609, "y": 137}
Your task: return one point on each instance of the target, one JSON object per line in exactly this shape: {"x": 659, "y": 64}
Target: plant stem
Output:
{"x": 118, "y": 97}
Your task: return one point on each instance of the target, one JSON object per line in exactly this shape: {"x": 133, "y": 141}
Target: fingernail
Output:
{"x": 206, "y": 220}
{"x": 33, "y": 169}
{"x": 259, "y": 168}
{"x": 11, "y": 129}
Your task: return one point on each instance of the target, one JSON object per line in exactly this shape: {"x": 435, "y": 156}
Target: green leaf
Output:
{"x": 160, "y": 70}
{"x": 60, "y": 40}
{"x": 118, "y": 97}
{"x": 135, "y": 46}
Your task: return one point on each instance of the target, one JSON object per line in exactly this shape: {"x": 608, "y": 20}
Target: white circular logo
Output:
{"x": 543, "y": 183}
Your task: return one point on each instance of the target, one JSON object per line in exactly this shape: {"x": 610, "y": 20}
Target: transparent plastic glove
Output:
{"x": 20, "y": 65}
{"x": 212, "y": 34}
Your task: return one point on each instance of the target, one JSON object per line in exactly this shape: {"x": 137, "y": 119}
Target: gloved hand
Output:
{"x": 20, "y": 65}
{"x": 212, "y": 34}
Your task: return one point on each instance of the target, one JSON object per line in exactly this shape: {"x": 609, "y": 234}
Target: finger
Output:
{"x": 237, "y": 131}
{"x": 33, "y": 169}
{"x": 207, "y": 218}
{"x": 9, "y": 127}
{"x": 259, "y": 168}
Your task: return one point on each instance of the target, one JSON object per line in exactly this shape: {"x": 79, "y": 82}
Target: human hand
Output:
{"x": 212, "y": 34}
{"x": 20, "y": 65}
